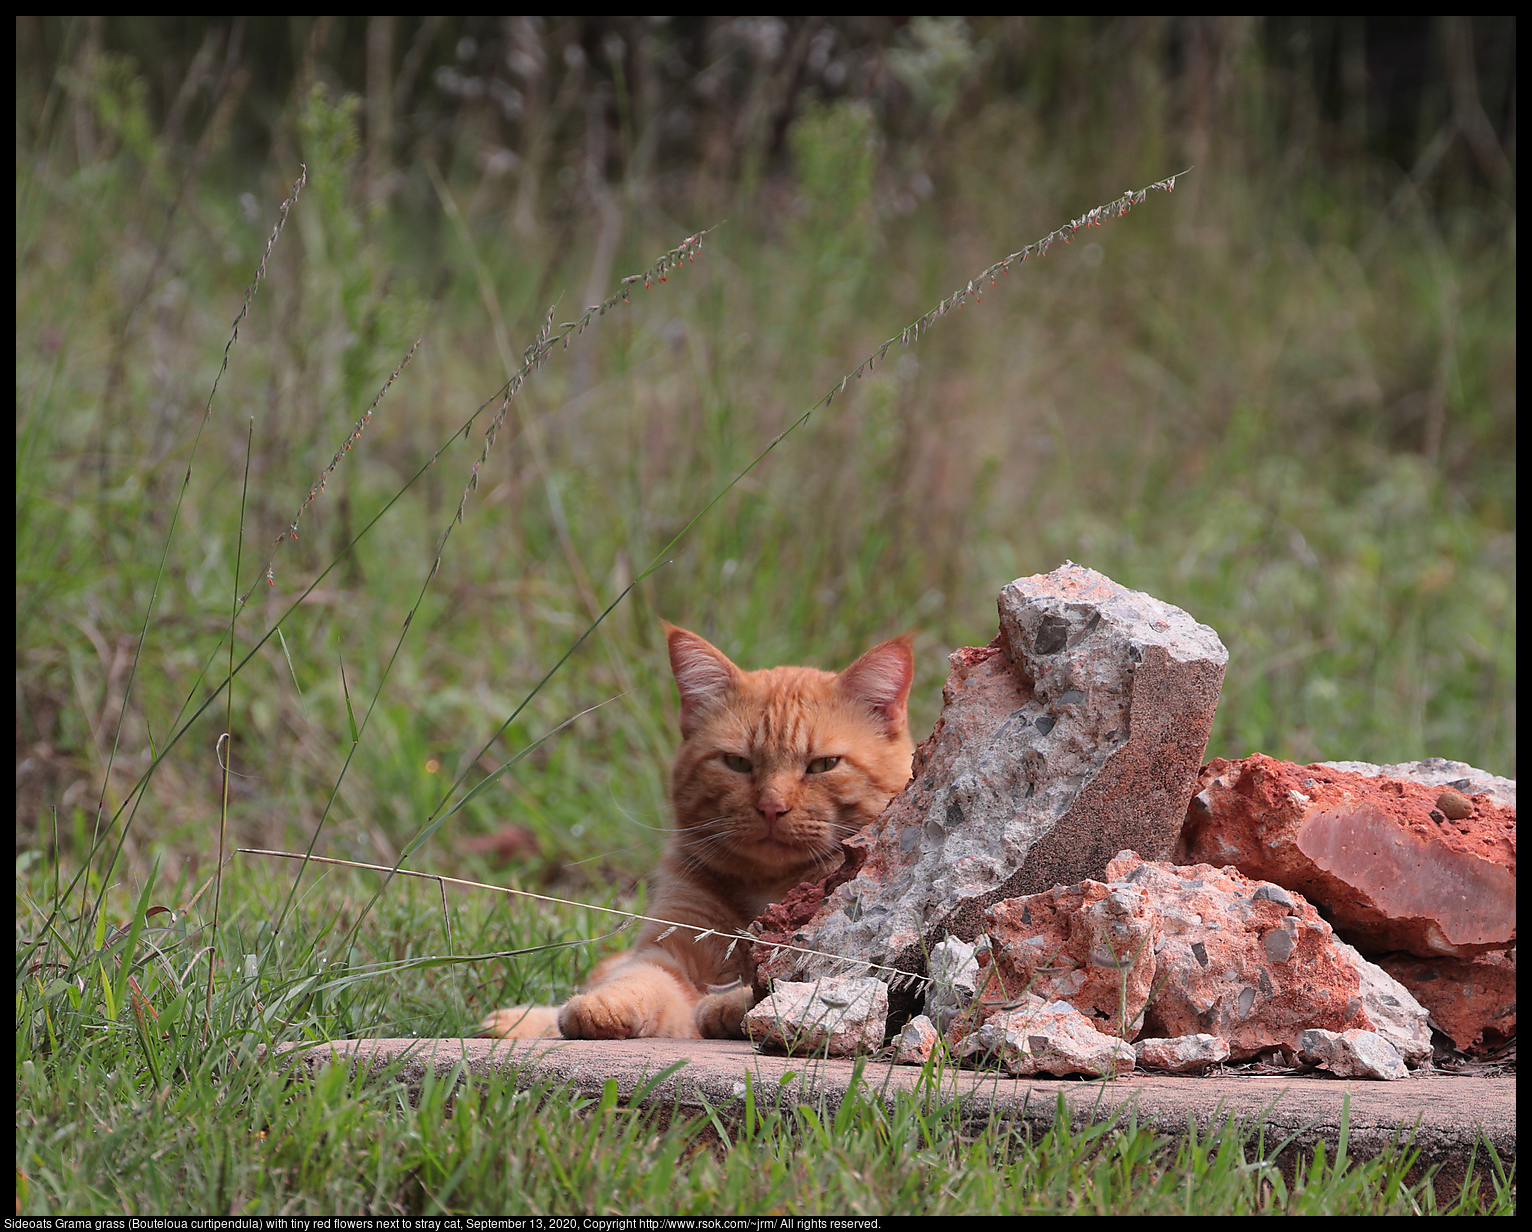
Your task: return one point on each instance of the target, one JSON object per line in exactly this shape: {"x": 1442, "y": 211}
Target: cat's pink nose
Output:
{"x": 772, "y": 807}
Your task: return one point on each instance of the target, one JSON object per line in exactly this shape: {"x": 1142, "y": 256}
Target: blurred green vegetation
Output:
{"x": 1282, "y": 398}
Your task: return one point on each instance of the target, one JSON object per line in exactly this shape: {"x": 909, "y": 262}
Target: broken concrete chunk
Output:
{"x": 1090, "y": 944}
{"x": 1217, "y": 969}
{"x": 828, "y": 1017}
{"x": 1394, "y": 1013}
{"x": 1048, "y": 1038}
{"x": 1077, "y": 732}
{"x": 916, "y": 1042}
{"x": 1185, "y": 1054}
{"x": 1351, "y": 1054}
{"x": 954, "y": 973}
{"x": 1171, "y": 951}
{"x": 1390, "y": 869}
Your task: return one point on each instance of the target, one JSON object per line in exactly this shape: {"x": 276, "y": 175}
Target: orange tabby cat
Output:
{"x": 775, "y": 768}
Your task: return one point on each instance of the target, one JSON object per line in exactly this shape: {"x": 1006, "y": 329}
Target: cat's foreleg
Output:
{"x": 639, "y": 1000}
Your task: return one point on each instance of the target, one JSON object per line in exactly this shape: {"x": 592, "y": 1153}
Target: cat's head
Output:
{"x": 777, "y": 766}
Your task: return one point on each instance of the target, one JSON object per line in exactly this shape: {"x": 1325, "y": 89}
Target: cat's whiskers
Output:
{"x": 700, "y": 842}
{"x": 648, "y": 842}
{"x": 698, "y": 854}
{"x": 697, "y": 838}
{"x": 634, "y": 817}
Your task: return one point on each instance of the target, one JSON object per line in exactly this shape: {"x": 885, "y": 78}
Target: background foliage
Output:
{"x": 1283, "y": 398}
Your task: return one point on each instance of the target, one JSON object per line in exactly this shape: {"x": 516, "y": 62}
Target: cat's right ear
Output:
{"x": 703, "y": 674}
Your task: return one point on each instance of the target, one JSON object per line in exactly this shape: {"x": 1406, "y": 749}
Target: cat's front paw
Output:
{"x": 521, "y": 1022}
{"x": 598, "y": 1015}
{"x": 721, "y": 1015}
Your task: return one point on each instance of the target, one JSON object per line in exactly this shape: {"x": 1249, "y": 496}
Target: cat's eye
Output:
{"x": 820, "y": 764}
{"x": 736, "y": 763}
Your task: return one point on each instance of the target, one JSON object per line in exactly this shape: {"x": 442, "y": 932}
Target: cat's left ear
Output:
{"x": 880, "y": 680}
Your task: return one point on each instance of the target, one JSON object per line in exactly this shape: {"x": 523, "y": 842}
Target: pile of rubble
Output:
{"x": 1042, "y": 896}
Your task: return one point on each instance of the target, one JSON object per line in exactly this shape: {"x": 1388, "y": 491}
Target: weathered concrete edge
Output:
{"x": 1446, "y": 1114}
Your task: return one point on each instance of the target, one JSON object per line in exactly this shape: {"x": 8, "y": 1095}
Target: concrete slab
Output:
{"x": 1448, "y": 1113}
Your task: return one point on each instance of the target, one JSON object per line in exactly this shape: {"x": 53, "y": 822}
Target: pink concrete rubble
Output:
{"x": 1471, "y": 1000}
{"x": 1395, "y": 1013}
{"x": 829, "y": 1017}
{"x": 1351, "y": 1054}
{"x": 1250, "y": 962}
{"x": 1076, "y": 732}
{"x": 953, "y": 970}
{"x": 916, "y": 1042}
{"x": 1169, "y": 951}
{"x": 1090, "y": 944}
{"x": 1049, "y": 1037}
{"x": 1426, "y": 867}
{"x": 1185, "y": 1054}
